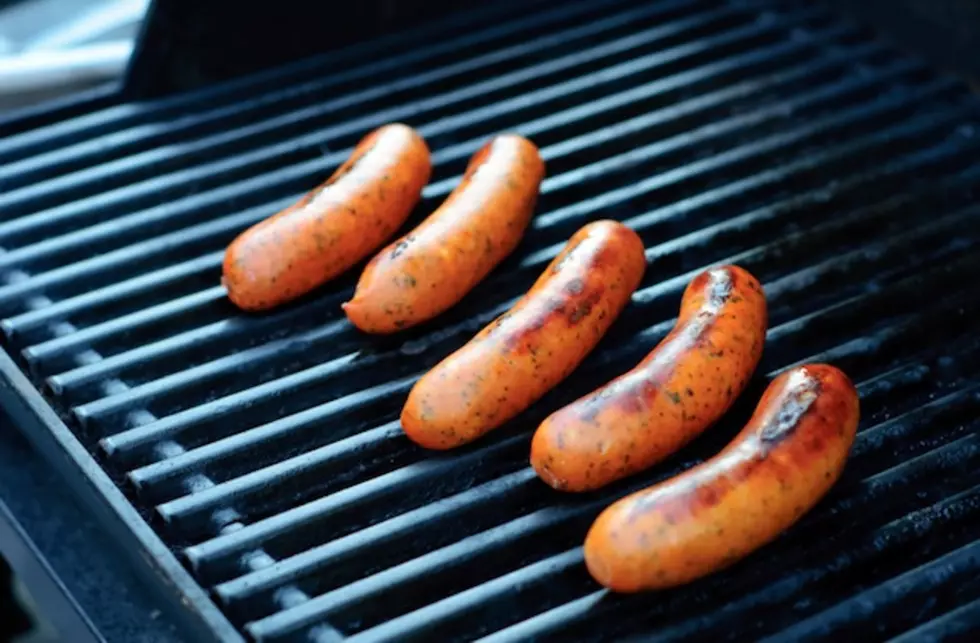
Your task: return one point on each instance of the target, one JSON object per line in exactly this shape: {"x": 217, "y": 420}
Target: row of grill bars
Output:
{"x": 239, "y": 443}
{"x": 448, "y": 112}
{"x": 511, "y": 441}
{"x": 58, "y": 382}
{"x": 247, "y": 100}
{"x": 99, "y": 270}
{"x": 349, "y": 593}
{"x": 257, "y": 557}
{"x": 154, "y": 474}
{"x": 651, "y": 90}
{"x": 106, "y": 410}
{"x": 32, "y": 352}
{"x": 73, "y": 380}
{"x": 45, "y": 356}
{"x": 415, "y": 616}
{"x": 344, "y": 595}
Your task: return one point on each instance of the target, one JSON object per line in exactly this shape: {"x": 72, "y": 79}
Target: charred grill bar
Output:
{"x": 255, "y": 462}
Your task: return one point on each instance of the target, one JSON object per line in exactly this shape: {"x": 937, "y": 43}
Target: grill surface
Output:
{"x": 264, "y": 452}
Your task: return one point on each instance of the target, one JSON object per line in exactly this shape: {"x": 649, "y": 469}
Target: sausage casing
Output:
{"x": 683, "y": 386}
{"x": 526, "y": 351}
{"x": 432, "y": 267}
{"x": 778, "y": 467}
{"x": 332, "y": 227}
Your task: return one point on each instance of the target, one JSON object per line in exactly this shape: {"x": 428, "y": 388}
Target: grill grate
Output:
{"x": 264, "y": 451}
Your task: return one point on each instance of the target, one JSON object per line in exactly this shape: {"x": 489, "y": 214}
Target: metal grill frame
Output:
{"x": 179, "y": 592}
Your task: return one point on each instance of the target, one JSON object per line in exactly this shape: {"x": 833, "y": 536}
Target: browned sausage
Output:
{"x": 689, "y": 380}
{"x": 785, "y": 459}
{"x": 526, "y": 351}
{"x": 432, "y": 267}
{"x": 333, "y": 227}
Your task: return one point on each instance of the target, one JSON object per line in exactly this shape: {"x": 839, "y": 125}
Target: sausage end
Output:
{"x": 555, "y": 470}
{"x": 360, "y": 316}
{"x": 423, "y": 432}
{"x": 246, "y": 296}
{"x": 542, "y": 462}
{"x": 615, "y": 573}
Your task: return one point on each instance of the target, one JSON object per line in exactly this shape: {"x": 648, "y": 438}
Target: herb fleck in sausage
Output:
{"x": 526, "y": 351}
{"x": 779, "y": 466}
{"x": 432, "y": 267}
{"x": 333, "y": 227}
{"x": 689, "y": 380}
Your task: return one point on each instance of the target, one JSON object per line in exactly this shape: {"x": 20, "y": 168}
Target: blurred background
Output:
{"x": 54, "y": 48}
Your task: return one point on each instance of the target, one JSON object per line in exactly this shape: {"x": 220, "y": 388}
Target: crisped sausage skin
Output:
{"x": 779, "y": 466}
{"x": 435, "y": 265}
{"x": 332, "y": 227}
{"x": 682, "y": 387}
{"x": 529, "y": 349}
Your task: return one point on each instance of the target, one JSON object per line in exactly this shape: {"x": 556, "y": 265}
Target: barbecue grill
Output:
{"x": 253, "y": 467}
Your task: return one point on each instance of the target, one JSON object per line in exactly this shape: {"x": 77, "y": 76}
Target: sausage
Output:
{"x": 778, "y": 467}
{"x": 333, "y": 227}
{"x": 683, "y": 386}
{"x": 432, "y": 267}
{"x": 526, "y": 351}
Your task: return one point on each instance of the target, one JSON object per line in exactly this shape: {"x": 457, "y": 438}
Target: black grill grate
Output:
{"x": 265, "y": 452}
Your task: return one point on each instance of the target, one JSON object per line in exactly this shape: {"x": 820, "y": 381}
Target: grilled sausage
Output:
{"x": 785, "y": 459}
{"x": 333, "y": 227}
{"x": 432, "y": 267}
{"x": 683, "y": 386}
{"x": 526, "y": 351}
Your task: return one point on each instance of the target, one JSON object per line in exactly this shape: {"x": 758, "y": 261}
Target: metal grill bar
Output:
{"x": 957, "y": 624}
{"x": 906, "y": 592}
